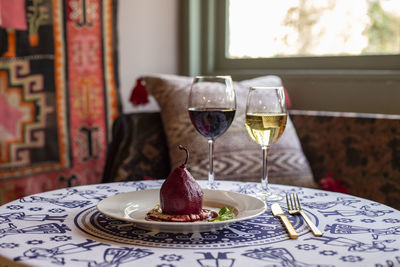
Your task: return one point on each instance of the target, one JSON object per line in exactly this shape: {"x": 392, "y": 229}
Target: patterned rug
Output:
{"x": 58, "y": 93}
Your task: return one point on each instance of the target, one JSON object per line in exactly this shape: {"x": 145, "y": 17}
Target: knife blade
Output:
{"x": 277, "y": 211}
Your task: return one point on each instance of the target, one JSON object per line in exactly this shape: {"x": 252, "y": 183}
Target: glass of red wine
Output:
{"x": 212, "y": 107}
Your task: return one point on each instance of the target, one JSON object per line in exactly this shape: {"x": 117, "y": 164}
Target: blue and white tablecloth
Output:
{"x": 63, "y": 228}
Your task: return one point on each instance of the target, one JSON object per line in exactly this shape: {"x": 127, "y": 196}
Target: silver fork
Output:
{"x": 294, "y": 208}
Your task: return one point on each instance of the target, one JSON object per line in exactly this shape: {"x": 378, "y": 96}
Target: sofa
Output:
{"x": 360, "y": 152}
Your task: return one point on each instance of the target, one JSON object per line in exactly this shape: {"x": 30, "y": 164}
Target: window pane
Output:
{"x": 262, "y": 29}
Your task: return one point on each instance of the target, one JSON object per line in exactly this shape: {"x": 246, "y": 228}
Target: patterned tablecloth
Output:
{"x": 63, "y": 228}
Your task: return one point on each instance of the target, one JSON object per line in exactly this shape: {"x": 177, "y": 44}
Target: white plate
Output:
{"x": 133, "y": 207}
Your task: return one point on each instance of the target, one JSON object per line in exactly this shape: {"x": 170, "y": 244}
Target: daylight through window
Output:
{"x": 263, "y": 29}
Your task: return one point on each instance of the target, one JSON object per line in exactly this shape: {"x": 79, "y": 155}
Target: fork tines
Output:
{"x": 293, "y": 202}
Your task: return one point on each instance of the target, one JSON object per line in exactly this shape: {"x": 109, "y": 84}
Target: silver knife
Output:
{"x": 277, "y": 211}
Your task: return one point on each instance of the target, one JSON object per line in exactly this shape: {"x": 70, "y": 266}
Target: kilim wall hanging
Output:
{"x": 58, "y": 93}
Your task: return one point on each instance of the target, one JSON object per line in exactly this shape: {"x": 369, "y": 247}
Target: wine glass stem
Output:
{"x": 264, "y": 178}
{"x": 211, "y": 184}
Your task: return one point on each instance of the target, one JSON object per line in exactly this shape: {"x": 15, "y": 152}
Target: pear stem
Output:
{"x": 187, "y": 153}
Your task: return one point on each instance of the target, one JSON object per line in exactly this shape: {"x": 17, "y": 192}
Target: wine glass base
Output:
{"x": 268, "y": 196}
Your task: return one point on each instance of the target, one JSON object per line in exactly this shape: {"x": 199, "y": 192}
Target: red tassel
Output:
{"x": 139, "y": 94}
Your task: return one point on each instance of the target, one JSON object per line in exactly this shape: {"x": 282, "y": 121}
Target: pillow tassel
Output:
{"x": 139, "y": 94}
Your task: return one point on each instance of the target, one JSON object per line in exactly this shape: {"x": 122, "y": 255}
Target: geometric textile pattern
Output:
{"x": 360, "y": 150}
{"x": 236, "y": 156}
{"x": 58, "y": 94}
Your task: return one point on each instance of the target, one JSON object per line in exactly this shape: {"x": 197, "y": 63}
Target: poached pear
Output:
{"x": 180, "y": 194}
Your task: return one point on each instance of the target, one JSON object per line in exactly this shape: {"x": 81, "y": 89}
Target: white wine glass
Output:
{"x": 266, "y": 118}
{"x": 212, "y": 107}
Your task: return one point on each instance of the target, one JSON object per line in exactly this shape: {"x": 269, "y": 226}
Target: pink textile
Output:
{"x": 12, "y": 14}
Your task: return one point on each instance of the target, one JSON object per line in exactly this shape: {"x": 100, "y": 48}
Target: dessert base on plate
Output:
{"x": 134, "y": 206}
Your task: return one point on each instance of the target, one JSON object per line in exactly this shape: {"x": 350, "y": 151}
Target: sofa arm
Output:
{"x": 362, "y": 150}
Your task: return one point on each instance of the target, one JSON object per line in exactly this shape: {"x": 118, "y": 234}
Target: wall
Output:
{"x": 374, "y": 93}
{"x": 148, "y": 43}
{"x": 365, "y": 91}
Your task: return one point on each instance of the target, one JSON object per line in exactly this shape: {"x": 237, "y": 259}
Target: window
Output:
{"x": 233, "y": 36}
{"x": 322, "y": 66}
{"x": 260, "y": 29}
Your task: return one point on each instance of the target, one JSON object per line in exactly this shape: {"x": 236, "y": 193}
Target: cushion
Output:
{"x": 236, "y": 156}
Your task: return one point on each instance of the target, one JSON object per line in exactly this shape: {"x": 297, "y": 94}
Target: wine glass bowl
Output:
{"x": 266, "y": 118}
{"x": 212, "y": 107}
{"x": 211, "y": 122}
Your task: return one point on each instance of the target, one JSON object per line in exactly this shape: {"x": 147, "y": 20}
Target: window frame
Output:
{"x": 207, "y": 40}
{"x": 337, "y": 84}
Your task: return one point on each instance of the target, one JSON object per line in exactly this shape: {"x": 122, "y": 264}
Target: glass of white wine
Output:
{"x": 266, "y": 118}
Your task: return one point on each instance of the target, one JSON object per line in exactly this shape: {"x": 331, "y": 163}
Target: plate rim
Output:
{"x": 174, "y": 224}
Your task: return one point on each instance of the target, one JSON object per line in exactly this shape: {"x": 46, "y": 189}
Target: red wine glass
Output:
{"x": 212, "y": 107}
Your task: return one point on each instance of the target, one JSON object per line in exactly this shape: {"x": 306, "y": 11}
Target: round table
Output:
{"x": 64, "y": 228}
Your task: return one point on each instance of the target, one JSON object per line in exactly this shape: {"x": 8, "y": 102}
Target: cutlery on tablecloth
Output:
{"x": 277, "y": 211}
{"x": 294, "y": 208}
